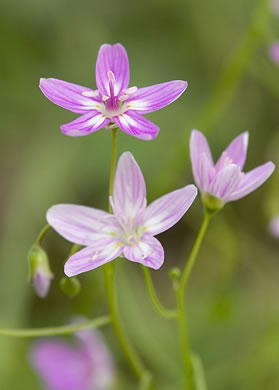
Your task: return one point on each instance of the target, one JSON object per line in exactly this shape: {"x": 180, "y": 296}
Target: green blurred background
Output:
{"x": 220, "y": 48}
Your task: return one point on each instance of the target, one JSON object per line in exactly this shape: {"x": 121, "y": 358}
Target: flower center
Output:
{"x": 113, "y": 104}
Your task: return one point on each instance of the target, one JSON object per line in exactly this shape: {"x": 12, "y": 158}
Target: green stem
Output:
{"x": 154, "y": 298}
{"x": 193, "y": 255}
{"x": 42, "y": 233}
{"x": 109, "y": 272}
{"x": 56, "y": 330}
{"x": 182, "y": 316}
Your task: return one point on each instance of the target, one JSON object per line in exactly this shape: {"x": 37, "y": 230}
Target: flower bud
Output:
{"x": 70, "y": 286}
{"x": 39, "y": 270}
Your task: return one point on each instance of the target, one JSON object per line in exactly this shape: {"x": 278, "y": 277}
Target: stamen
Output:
{"x": 130, "y": 91}
{"x": 111, "y": 76}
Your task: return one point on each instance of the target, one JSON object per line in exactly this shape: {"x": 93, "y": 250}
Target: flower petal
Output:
{"x": 136, "y": 125}
{"x": 157, "y": 96}
{"x": 225, "y": 182}
{"x": 235, "y": 152}
{"x": 252, "y": 180}
{"x": 166, "y": 211}
{"x": 61, "y": 366}
{"x": 129, "y": 194}
{"x": 112, "y": 58}
{"x": 85, "y": 124}
{"x": 103, "y": 251}
{"x": 78, "y": 224}
{"x": 148, "y": 252}
{"x": 199, "y": 150}
{"x": 69, "y": 96}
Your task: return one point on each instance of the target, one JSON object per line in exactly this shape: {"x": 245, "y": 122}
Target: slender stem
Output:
{"x": 42, "y": 233}
{"x": 193, "y": 255}
{"x": 109, "y": 272}
{"x": 56, "y": 330}
{"x": 182, "y": 315}
{"x": 154, "y": 297}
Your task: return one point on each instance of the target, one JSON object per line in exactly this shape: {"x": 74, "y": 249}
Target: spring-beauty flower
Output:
{"x": 39, "y": 270}
{"x": 274, "y": 52}
{"x": 85, "y": 364}
{"x": 224, "y": 181}
{"x": 275, "y": 6}
{"x": 129, "y": 231}
{"x": 113, "y": 103}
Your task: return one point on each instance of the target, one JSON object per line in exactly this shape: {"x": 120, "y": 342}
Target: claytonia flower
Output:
{"x": 225, "y": 181}
{"x": 129, "y": 231}
{"x": 275, "y": 6}
{"x": 85, "y": 365}
{"x": 274, "y": 52}
{"x": 113, "y": 103}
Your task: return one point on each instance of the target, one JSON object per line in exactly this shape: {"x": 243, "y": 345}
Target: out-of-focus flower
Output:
{"x": 224, "y": 182}
{"x": 274, "y": 226}
{"x": 275, "y": 6}
{"x": 39, "y": 270}
{"x": 274, "y": 52}
{"x": 84, "y": 365}
{"x": 113, "y": 103}
{"x": 130, "y": 230}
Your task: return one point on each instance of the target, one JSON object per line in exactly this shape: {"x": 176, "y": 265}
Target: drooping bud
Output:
{"x": 70, "y": 286}
{"x": 39, "y": 270}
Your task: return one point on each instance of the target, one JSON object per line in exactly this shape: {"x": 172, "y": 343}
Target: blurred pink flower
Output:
{"x": 275, "y": 6}
{"x": 274, "y": 226}
{"x": 225, "y": 180}
{"x": 113, "y": 103}
{"x": 274, "y": 52}
{"x": 129, "y": 231}
{"x": 84, "y": 365}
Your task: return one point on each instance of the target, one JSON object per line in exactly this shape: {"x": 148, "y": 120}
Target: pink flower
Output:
{"x": 85, "y": 365}
{"x": 129, "y": 231}
{"x": 39, "y": 270}
{"x": 274, "y": 52}
{"x": 275, "y": 6}
{"x": 225, "y": 181}
{"x": 113, "y": 103}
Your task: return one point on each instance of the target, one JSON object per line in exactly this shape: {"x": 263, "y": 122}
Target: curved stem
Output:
{"x": 56, "y": 330}
{"x": 154, "y": 297}
{"x": 182, "y": 315}
{"x": 109, "y": 272}
{"x": 42, "y": 233}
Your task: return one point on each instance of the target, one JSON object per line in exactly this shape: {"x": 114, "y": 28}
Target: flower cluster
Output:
{"x": 130, "y": 230}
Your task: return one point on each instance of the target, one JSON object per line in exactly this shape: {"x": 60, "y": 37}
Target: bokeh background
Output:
{"x": 220, "y": 47}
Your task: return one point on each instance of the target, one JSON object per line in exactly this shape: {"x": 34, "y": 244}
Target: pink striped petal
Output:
{"x": 79, "y": 223}
{"x": 85, "y": 124}
{"x": 61, "y": 366}
{"x": 225, "y": 182}
{"x": 166, "y": 211}
{"x": 157, "y": 96}
{"x": 148, "y": 252}
{"x": 136, "y": 125}
{"x": 69, "y": 96}
{"x": 252, "y": 180}
{"x": 129, "y": 194}
{"x": 112, "y": 58}
{"x": 235, "y": 152}
{"x": 198, "y": 148}
{"x": 85, "y": 260}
